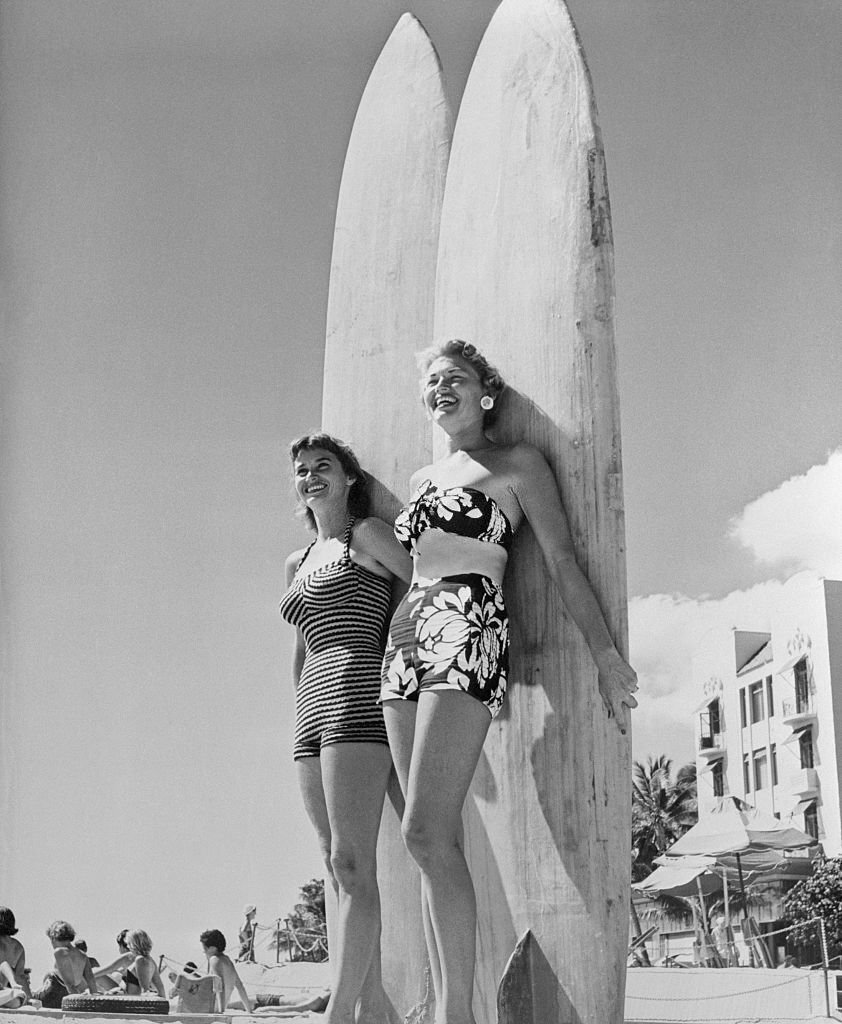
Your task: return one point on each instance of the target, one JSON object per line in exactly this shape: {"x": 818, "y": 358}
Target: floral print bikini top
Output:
{"x": 463, "y": 510}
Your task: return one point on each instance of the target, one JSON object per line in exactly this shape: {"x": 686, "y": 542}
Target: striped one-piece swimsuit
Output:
{"x": 341, "y": 609}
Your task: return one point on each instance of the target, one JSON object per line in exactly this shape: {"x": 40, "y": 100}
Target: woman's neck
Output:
{"x": 331, "y": 524}
{"x": 472, "y": 439}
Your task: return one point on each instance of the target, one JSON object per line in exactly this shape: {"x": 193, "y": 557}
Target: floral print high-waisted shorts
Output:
{"x": 449, "y": 634}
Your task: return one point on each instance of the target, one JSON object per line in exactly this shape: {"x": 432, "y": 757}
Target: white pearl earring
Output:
{"x": 486, "y": 402}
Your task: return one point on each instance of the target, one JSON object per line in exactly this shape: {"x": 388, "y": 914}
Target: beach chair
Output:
{"x": 196, "y": 995}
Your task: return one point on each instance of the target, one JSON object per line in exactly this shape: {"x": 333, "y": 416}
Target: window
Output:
{"x": 743, "y": 707}
{"x": 770, "y": 702}
{"x": 746, "y": 774}
{"x": 773, "y": 757}
{"x": 811, "y": 820}
{"x": 802, "y": 686}
{"x": 718, "y": 780}
{"x": 714, "y": 717}
{"x": 805, "y": 745}
{"x": 755, "y": 700}
{"x": 761, "y": 769}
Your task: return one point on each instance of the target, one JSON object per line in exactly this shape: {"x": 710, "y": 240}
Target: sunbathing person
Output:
{"x": 111, "y": 977}
{"x": 14, "y": 983}
{"x": 221, "y": 966}
{"x": 142, "y": 973}
{"x": 71, "y": 971}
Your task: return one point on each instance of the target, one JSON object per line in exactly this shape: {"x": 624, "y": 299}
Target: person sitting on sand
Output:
{"x": 220, "y": 966}
{"x": 14, "y": 982}
{"x": 111, "y": 977}
{"x": 142, "y": 973}
{"x": 71, "y": 970}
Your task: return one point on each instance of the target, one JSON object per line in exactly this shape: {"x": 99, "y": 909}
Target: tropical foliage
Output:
{"x": 305, "y": 934}
{"x": 663, "y": 809}
{"x": 814, "y": 897}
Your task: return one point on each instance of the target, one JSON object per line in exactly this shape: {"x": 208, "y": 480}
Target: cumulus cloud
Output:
{"x": 796, "y": 526}
{"x": 664, "y": 632}
{"x": 799, "y": 524}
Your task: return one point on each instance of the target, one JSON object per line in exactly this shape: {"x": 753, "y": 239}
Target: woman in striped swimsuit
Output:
{"x": 338, "y": 598}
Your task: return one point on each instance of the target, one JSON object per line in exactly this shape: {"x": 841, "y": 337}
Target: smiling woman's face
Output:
{"x": 319, "y": 477}
{"x": 451, "y": 390}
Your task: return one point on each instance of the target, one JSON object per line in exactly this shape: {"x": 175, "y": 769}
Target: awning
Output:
{"x": 790, "y": 663}
{"x": 802, "y": 806}
{"x": 709, "y": 767}
{"x": 795, "y": 736}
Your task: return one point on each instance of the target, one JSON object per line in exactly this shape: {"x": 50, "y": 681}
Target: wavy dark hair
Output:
{"x": 359, "y": 499}
{"x": 489, "y": 376}
{"x": 7, "y": 922}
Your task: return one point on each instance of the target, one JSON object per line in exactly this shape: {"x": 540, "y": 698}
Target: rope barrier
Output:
{"x": 726, "y": 995}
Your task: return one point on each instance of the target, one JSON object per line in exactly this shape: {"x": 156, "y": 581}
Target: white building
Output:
{"x": 769, "y": 728}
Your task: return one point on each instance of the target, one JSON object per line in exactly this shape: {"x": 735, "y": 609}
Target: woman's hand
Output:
{"x": 617, "y": 686}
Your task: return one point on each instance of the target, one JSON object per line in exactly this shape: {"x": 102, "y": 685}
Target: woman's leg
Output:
{"x": 400, "y": 726}
{"x": 354, "y": 776}
{"x": 450, "y": 729}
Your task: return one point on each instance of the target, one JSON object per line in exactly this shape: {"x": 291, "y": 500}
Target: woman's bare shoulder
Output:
{"x": 418, "y": 477}
{"x": 292, "y": 563}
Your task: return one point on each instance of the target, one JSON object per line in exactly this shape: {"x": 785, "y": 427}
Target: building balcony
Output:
{"x": 798, "y": 711}
{"x": 804, "y": 783}
{"x": 711, "y": 746}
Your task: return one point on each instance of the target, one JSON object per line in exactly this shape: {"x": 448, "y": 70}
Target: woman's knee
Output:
{"x": 352, "y": 872}
{"x": 428, "y": 843}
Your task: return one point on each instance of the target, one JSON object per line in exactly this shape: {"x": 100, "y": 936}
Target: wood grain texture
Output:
{"x": 525, "y": 270}
{"x": 380, "y": 312}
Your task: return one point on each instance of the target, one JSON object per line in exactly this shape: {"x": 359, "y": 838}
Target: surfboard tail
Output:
{"x": 515, "y": 1002}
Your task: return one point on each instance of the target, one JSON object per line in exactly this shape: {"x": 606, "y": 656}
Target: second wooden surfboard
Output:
{"x": 525, "y": 271}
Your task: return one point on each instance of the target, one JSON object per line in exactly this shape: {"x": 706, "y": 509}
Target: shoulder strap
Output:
{"x": 349, "y": 529}
{"x": 306, "y": 553}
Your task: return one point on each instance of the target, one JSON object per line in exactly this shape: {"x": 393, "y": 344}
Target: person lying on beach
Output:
{"x": 71, "y": 971}
{"x": 14, "y": 982}
{"x": 221, "y": 966}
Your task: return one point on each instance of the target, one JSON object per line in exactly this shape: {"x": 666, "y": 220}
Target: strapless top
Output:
{"x": 465, "y": 511}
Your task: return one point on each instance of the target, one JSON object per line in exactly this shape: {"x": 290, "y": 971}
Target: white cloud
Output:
{"x": 793, "y": 527}
{"x": 799, "y": 524}
{"x": 664, "y": 631}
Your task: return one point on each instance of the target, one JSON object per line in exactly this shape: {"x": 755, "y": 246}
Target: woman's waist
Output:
{"x": 439, "y": 554}
{"x": 367, "y": 649}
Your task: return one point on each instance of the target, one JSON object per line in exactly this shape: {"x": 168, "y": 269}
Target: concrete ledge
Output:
{"x": 669, "y": 995}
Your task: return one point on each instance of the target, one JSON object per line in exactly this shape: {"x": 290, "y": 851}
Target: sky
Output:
{"x": 168, "y": 182}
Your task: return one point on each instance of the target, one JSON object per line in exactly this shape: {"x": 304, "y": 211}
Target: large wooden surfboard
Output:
{"x": 380, "y": 312}
{"x": 525, "y": 270}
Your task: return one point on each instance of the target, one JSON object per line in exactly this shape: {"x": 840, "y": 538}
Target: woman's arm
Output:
{"x": 157, "y": 983}
{"x": 537, "y": 492}
{"x": 88, "y": 975}
{"x": 116, "y": 965}
{"x": 298, "y": 650}
{"x": 377, "y": 540}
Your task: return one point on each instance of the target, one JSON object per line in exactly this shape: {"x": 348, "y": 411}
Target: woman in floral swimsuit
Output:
{"x": 446, "y": 660}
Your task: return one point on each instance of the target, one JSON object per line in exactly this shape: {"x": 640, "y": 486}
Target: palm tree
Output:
{"x": 662, "y": 811}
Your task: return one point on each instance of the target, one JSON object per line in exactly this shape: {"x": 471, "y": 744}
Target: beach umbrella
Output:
{"x": 682, "y": 877}
{"x": 733, "y": 826}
